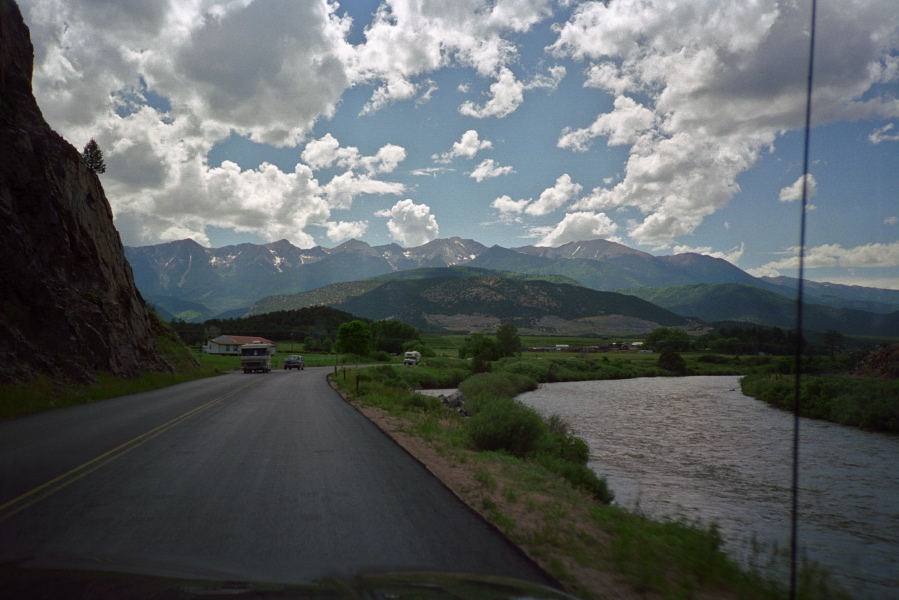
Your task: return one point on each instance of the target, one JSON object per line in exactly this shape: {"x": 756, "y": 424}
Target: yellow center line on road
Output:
{"x": 37, "y": 494}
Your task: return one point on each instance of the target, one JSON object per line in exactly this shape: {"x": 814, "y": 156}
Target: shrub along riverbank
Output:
{"x": 866, "y": 403}
{"x": 528, "y": 476}
{"x": 549, "y": 369}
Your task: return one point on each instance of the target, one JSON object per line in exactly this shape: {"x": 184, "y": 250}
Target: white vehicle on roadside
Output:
{"x": 256, "y": 357}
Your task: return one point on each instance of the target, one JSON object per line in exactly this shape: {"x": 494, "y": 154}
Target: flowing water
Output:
{"x": 697, "y": 448}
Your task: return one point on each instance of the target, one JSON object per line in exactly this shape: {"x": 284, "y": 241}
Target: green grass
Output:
{"x": 448, "y": 344}
{"x": 532, "y": 341}
{"x": 42, "y": 393}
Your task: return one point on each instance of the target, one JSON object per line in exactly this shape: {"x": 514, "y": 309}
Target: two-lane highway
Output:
{"x": 256, "y": 477}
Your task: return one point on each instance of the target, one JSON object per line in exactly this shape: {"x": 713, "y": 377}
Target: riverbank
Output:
{"x": 596, "y": 550}
{"x": 865, "y": 403}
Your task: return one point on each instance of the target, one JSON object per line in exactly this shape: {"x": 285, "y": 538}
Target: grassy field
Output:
{"x": 450, "y": 344}
{"x": 533, "y": 492}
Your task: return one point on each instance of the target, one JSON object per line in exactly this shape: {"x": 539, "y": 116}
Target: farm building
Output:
{"x": 230, "y": 344}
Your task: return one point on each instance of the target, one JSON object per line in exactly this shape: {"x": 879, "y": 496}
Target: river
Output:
{"x": 697, "y": 448}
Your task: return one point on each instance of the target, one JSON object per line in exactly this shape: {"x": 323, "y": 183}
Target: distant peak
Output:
{"x": 352, "y": 245}
{"x": 280, "y": 244}
{"x": 188, "y": 243}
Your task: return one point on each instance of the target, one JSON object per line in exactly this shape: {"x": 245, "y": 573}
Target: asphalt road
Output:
{"x": 267, "y": 477}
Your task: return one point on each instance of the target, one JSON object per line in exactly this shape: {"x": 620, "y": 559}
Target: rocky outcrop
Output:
{"x": 883, "y": 363}
{"x": 455, "y": 400}
{"x": 68, "y": 303}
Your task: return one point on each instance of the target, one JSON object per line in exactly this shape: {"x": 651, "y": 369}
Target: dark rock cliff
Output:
{"x": 883, "y": 363}
{"x": 68, "y": 303}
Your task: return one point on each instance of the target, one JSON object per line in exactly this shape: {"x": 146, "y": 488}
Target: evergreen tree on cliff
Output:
{"x": 93, "y": 157}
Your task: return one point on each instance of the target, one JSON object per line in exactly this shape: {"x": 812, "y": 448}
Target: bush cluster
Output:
{"x": 672, "y": 361}
{"x": 484, "y": 387}
{"x": 716, "y": 359}
{"x": 501, "y": 423}
{"x": 868, "y": 404}
{"x": 548, "y": 370}
{"x": 506, "y": 424}
{"x": 415, "y": 377}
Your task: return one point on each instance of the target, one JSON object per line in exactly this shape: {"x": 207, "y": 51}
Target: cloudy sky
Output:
{"x": 666, "y": 125}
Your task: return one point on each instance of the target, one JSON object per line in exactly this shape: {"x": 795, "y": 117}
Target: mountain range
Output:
{"x": 186, "y": 280}
{"x": 231, "y": 278}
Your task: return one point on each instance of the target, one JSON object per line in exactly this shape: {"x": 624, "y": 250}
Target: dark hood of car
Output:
{"x": 77, "y": 577}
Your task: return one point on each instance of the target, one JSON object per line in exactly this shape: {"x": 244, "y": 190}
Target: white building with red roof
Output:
{"x": 230, "y": 344}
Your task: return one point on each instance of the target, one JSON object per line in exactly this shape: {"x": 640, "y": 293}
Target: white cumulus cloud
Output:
{"x": 206, "y": 59}
{"x": 555, "y": 197}
{"x": 339, "y": 231}
{"x": 793, "y": 192}
{"x": 488, "y": 169}
{"x": 466, "y": 147}
{"x": 717, "y": 84}
{"x": 575, "y": 227}
{"x": 344, "y": 188}
{"x": 882, "y": 135}
{"x": 835, "y": 255}
{"x": 623, "y": 126}
{"x": 551, "y": 199}
{"x": 732, "y": 256}
{"x": 407, "y": 39}
{"x": 510, "y": 210}
{"x": 326, "y": 152}
{"x": 507, "y": 93}
{"x": 410, "y": 224}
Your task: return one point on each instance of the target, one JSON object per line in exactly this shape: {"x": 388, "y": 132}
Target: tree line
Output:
{"x": 749, "y": 340}
{"x": 319, "y": 328}
{"x": 318, "y": 323}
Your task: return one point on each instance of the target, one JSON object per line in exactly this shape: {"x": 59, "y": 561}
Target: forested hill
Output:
{"x": 470, "y": 303}
{"x": 749, "y": 304}
{"x": 317, "y": 322}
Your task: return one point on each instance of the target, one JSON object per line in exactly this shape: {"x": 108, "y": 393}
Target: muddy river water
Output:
{"x": 697, "y": 448}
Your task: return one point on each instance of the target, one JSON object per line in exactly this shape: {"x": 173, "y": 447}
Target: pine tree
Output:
{"x": 93, "y": 157}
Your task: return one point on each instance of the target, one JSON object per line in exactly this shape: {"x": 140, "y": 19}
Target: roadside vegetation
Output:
{"x": 43, "y": 392}
{"x": 528, "y": 475}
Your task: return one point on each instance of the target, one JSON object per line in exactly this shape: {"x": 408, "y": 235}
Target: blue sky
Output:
{"x": 668, "y": 126}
